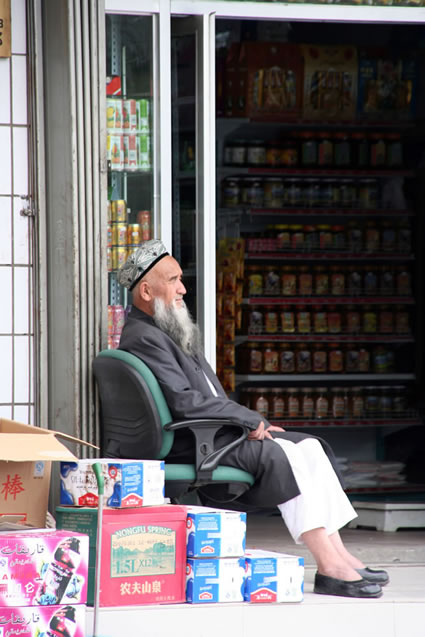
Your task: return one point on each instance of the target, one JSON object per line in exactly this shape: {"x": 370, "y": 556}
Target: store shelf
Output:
{"x": 328, "y": 256}
{"x": 131, "y": 173}
{"x": 347, "y": 422}
{"x": 329, "y": 300}
{"x": 226, "y": 125}
{"x": 323, "y": 212}
{"x": 387, "y": 488}
{"x": 329, "y": 338}
{"x": 231, "y": 171}
{"x": 323, "y": 378}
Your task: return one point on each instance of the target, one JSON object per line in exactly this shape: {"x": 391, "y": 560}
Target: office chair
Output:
{"x": 136, "y": 423}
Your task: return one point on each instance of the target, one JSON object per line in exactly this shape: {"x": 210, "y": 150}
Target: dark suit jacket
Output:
{"x": 188, "y": 395}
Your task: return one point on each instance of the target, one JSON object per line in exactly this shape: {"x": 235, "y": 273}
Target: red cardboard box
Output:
{"x": 143, "y": 556}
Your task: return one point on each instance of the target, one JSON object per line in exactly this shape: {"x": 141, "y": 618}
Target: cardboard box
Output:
{"x": 215, "y": 532}
{"x": 143, "y": 556}
{"x": 215, "y": 580}
{"x": 43, "y": 567}
{"x": 273, "y": 577}
{"x": 26, "y": 453}
{"x": 37, "y": 621}
{"x": 128, "y": 483}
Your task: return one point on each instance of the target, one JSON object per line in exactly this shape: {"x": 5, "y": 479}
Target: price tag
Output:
{"x": 5, "y": 29}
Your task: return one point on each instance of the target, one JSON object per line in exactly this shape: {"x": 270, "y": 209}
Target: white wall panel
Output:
{"x": 21, "y": 363}
{"x": 6, "y": 369}
{"x": 19, "y": 31}
{"x": 5, "y": 161}
{"x": 19, "y": 90}
{"x": 20, "y": 160}
{"x": 5, "y": 91}
{"x": 6, "y": 230}
{"x": 21, "y": 291}
{"x": 6, "y": 299}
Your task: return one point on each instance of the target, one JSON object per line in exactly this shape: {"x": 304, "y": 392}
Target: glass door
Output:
{"x": 193, "y": 166}
{"x": 130, "y": 158}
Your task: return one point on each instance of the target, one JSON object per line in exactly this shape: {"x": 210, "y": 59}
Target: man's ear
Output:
{"x": 145, "y": 291}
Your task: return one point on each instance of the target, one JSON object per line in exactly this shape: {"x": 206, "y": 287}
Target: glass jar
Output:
{"x": 371, "y": 401}
{"x": 320, "y": 319}
{"x": 370, "y": 320}
{"x": 378, "y": 150}
{"x": 293, "y": 192}
{"x": 297, "y": 237}
{"x": 273, "y": 192}
{"x": 255, "y": 321}
{"x": 325, "y": 236}
{"x": 231, "y": 192}
{"x": 321, "y": 409}
{"x": 370, "y": 280}
{"x": 287, "y": 358}
{"x": 351, "y": 359}
{"x": 338, "y": 237}
{"x": 271, "y": 281}
{"x": 372, "y": 237}
{"x": 308, "y": 149}
{"x": 342, "y": 150}
{"x": 289, "y": 281}
{"x": 380, "y": 360}
{"x": 307, "y": 403}
{"x": 348, "y": 195}
{"x": 310, "y": 238}
{"x": 256, "y": 153}
{"x": 321, "y": 280}
{"x": 399, "y": 400}
{"x": 303, "y": 358}
{"x": 287, "y": 320}
{"x": 357, "y": 403}
{"x": 277, "y": 404}
{"x": 354, "y": 237}
{"x": 252, "y": 193}
{"x": 235, "y": 153}
{"x": 293, "y": 402}
{"x": 283, "y": 236}
{"x": 312, "y": 196}
{"x": 385, "y": 401}
{"x": 271, "y": 320}
{"x": 255, "y": 358}
{"x": 386, "y": 320}
{"x": 367, "y": 194}
{"x": 355, "y": 282}
{"x": 337, "y": 403}
{"x": 386, "y": 280}
{"x": 325, "y": 150}
{"x": 273, "y": 154}
{"x": 319, "y": 359}
{"x": 364, "y": 360}
{"x": 270, "y": 358}
{"x": 335, "y": 358}
{"x": 255, "y": 280}
{"x": 260, "y": 402}
{"x": 337, "y": 280}
{"x": 303, "y": 320}
{"x": 334, "y": 320}
{"x": 305, "y": 281}
{"x": 289, "y": 153}
{"x": 352, "y": 320}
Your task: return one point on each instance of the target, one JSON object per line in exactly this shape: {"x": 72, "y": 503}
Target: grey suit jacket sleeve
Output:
{"x": 182, "y": 377}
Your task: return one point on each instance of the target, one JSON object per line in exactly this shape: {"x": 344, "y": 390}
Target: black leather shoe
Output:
{"x": 325, "y": 585}
{"x": 374, "y": 576}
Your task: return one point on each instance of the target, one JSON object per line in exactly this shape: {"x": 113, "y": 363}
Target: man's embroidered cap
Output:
{"x": 140, "y": 262}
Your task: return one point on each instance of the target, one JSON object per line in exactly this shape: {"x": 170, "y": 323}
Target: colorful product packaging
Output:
{"x": 387, "y": 85}
{"x": 43, "y": 567}
{"x": 273, "y": 577}
{"x": 128, "y": 483}
{"x": 215, "y": 580}
{"x": 41, "y": 621}
{"x": 330, "y": 82}
{"x": 215, "y": 532}
{"x": 143, "y": 556}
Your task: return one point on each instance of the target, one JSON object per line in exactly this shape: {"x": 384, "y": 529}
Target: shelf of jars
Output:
{"x": 326, "y": 256}
{"x": 411, "y": 419}
{"x": 319, "y": 212}
{"x": 328, "y": 300}
{"x": 289, "y": 171}
{"x": 321, "y": 338}
{"x": 306, "y": 378}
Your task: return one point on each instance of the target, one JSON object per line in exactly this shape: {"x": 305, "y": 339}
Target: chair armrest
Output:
{"x": 207, "y": 458}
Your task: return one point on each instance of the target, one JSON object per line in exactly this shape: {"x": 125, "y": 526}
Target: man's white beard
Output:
{"x": 177, "y": 323}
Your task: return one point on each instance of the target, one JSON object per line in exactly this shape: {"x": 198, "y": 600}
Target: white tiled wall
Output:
{"x": 16, "y": 324}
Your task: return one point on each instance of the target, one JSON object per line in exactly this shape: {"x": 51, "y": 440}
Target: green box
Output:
{"x": 83, "y": 520}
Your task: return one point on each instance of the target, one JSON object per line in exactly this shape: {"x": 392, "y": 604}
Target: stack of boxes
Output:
{"x": 43, "y": 582}
{"x": 156, "y": 553}
{"x": 219, "y": 569}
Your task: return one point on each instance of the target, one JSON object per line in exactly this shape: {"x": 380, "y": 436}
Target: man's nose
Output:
{"x": 181, "y": 289}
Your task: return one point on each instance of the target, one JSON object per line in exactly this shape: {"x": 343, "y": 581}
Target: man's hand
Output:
{"x": 261, "y": 432}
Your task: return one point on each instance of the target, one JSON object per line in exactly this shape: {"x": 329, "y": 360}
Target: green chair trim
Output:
{"x": 156, "y": 391}
{"x": 186, "y": 473}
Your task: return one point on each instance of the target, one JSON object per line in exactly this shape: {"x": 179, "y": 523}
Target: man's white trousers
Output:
{"x": 322, "y": 501}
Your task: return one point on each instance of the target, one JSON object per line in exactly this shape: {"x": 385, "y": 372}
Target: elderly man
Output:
{"x": 293, "y": 471}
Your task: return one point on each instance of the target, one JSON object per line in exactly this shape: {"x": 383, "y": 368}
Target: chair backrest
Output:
{"x": 133, "y": 408}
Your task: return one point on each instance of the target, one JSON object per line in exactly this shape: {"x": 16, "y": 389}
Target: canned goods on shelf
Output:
{"x": 118, "y": 210}
{"x": 144, "y": 221}
{"x": 133, "y": 234}
{"x": 119, "y": 234}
